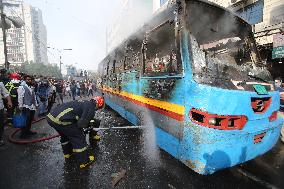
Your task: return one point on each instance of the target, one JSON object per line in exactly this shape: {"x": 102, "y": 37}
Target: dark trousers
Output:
{"x": 1, "y": 123}
{"x": 90, "y": 92}
{"x": 11, "y": 111}
{"x": 73, "y": 94}
{"x": 50, "y": 103}
{"x": 30, "y": 117}
{"x": 61, "y": 97}
{"x": 72, "y": 140}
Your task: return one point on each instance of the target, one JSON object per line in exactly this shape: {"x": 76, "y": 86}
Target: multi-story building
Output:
{"x": 271, "y": 19}
{"x": 15, "y": 36}
{"x": 27, "y": 43}
{"x": 39, "y": 37}
{"x": 133, "y": 14}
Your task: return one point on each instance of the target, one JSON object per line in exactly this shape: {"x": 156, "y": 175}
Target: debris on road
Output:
{"x": 171, "y": 186}
{"x": 116, "y": 177}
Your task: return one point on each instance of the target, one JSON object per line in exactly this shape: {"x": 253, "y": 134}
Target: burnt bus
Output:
{"x": 194, "y": 71}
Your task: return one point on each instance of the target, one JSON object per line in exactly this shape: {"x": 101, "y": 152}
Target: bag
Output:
{"x": 19, "y": 120}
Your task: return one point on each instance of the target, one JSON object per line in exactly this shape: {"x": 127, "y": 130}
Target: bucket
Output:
{"x": 19, "y": 120}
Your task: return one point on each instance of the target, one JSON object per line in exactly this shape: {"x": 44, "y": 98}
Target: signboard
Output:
{"x": 278, "y": 40}
{"x": 278, "y": 46}
{"x": 260, "y": 89}
{"x": 278, "y": 52}
{"x": 252, "y": 13}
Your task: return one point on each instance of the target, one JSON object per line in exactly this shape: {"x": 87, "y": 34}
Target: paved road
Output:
{"x": 41, "y": 165}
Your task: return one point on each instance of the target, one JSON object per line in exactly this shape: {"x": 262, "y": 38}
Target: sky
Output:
{"x": 77, "y": 25}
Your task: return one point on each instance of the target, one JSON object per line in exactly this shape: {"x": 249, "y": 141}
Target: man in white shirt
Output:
{"x": 27, "y": 104}
{"x": 4, "y": 92}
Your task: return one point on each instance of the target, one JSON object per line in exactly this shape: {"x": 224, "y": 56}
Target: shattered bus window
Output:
{"x": 161, "y": 51}
{"x": 223, "y": 51}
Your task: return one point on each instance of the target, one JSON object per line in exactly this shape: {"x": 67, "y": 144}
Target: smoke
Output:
{"x": 132, "y": 16}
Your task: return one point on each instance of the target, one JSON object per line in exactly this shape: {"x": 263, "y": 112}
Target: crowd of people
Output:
{"x": 31, "y": 94}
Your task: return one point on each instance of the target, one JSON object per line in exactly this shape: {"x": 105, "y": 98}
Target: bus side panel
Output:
{"x": 153, "y": 121}
{"x": 222, "y": 149}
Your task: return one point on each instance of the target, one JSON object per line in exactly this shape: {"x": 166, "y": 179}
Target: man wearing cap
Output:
{"x": 68, "y": 120}
{"x": 12, "y": 87}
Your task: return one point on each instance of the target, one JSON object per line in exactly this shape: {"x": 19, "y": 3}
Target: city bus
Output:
{"x": 194, "y": 71}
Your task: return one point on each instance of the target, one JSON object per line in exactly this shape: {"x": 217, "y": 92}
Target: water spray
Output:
{"x": 86, "y": 130}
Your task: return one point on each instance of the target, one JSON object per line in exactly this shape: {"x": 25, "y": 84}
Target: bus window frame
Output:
{"x": 128, "y": 52}
{"x": 119, "y": 60}
{"x": 178, "y": 42}
{"x": 108, "y": 61}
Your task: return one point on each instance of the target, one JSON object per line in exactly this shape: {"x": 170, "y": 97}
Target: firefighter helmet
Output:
{"x": 99, "y": 101}
{"x": 15, "y": 76}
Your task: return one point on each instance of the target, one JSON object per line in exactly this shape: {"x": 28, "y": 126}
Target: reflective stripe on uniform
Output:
{"x": 67, "y": 156}
{"x": 79, "y": 150}
{"x": 56, "y": 119}
{"x": 64, "y": 112}
{"x": 10, "y": 86}
{"x": 64, "y": 143}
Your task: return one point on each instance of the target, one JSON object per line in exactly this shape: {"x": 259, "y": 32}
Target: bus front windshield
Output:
{"x": 222, "y": 47}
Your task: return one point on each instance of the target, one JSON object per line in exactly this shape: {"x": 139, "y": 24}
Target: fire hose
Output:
{"x": 85, "y": 130}
{"x": 12, "y": 140}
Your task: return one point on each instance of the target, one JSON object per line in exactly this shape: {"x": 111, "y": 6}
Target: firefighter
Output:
{"x": 12, "y": 88}
{"x": 68, "y": 120}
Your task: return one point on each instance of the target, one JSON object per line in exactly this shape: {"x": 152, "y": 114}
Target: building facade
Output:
{"x": 15, "y": 36}
{"x": 27, "y": 43}
{"x": 133, "y": 14}
{"x": 272, "y": 20}
{"x": 39, "y": 37}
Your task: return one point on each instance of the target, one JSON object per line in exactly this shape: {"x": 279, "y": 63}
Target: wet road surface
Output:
{"x": 41, "y": 165}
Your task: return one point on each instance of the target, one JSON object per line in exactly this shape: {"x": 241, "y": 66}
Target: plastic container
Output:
{"x": 19, "y": 120}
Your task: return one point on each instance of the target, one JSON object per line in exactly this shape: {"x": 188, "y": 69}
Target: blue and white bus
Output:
{"x": 195, "y": 71}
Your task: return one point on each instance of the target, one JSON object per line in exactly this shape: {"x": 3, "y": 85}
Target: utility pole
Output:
{"x": 60, "y": 63}
{"x": 3, "y": 24}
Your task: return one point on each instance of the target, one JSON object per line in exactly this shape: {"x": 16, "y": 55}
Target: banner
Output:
{"x": 252, "y": 13}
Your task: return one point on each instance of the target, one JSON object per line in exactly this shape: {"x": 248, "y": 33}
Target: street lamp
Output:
{"x": 60, "y": 51}
{"x": 5, "y": 23}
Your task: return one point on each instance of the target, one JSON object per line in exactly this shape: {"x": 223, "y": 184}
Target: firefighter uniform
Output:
{"x": 12, "y": 88}
{"x": 68, "y": 119}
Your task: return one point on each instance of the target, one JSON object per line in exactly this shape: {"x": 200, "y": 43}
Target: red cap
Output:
{"x": 15, "y": 76}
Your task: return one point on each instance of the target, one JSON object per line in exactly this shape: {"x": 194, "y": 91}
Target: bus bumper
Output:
{"x": 208, "y": 150}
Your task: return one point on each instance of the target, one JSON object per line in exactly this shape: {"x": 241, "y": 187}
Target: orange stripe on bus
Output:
{"x": 166, "y": 112}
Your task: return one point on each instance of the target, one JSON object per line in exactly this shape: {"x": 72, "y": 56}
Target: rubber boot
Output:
{"x": 67, "y": 149}
{"x": 87, "y": 164}
{"x": 94, "y": 138}
{"x": 84, "y": 159}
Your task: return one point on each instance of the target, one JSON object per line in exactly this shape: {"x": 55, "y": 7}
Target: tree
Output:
{"x": 47, "y": 70}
